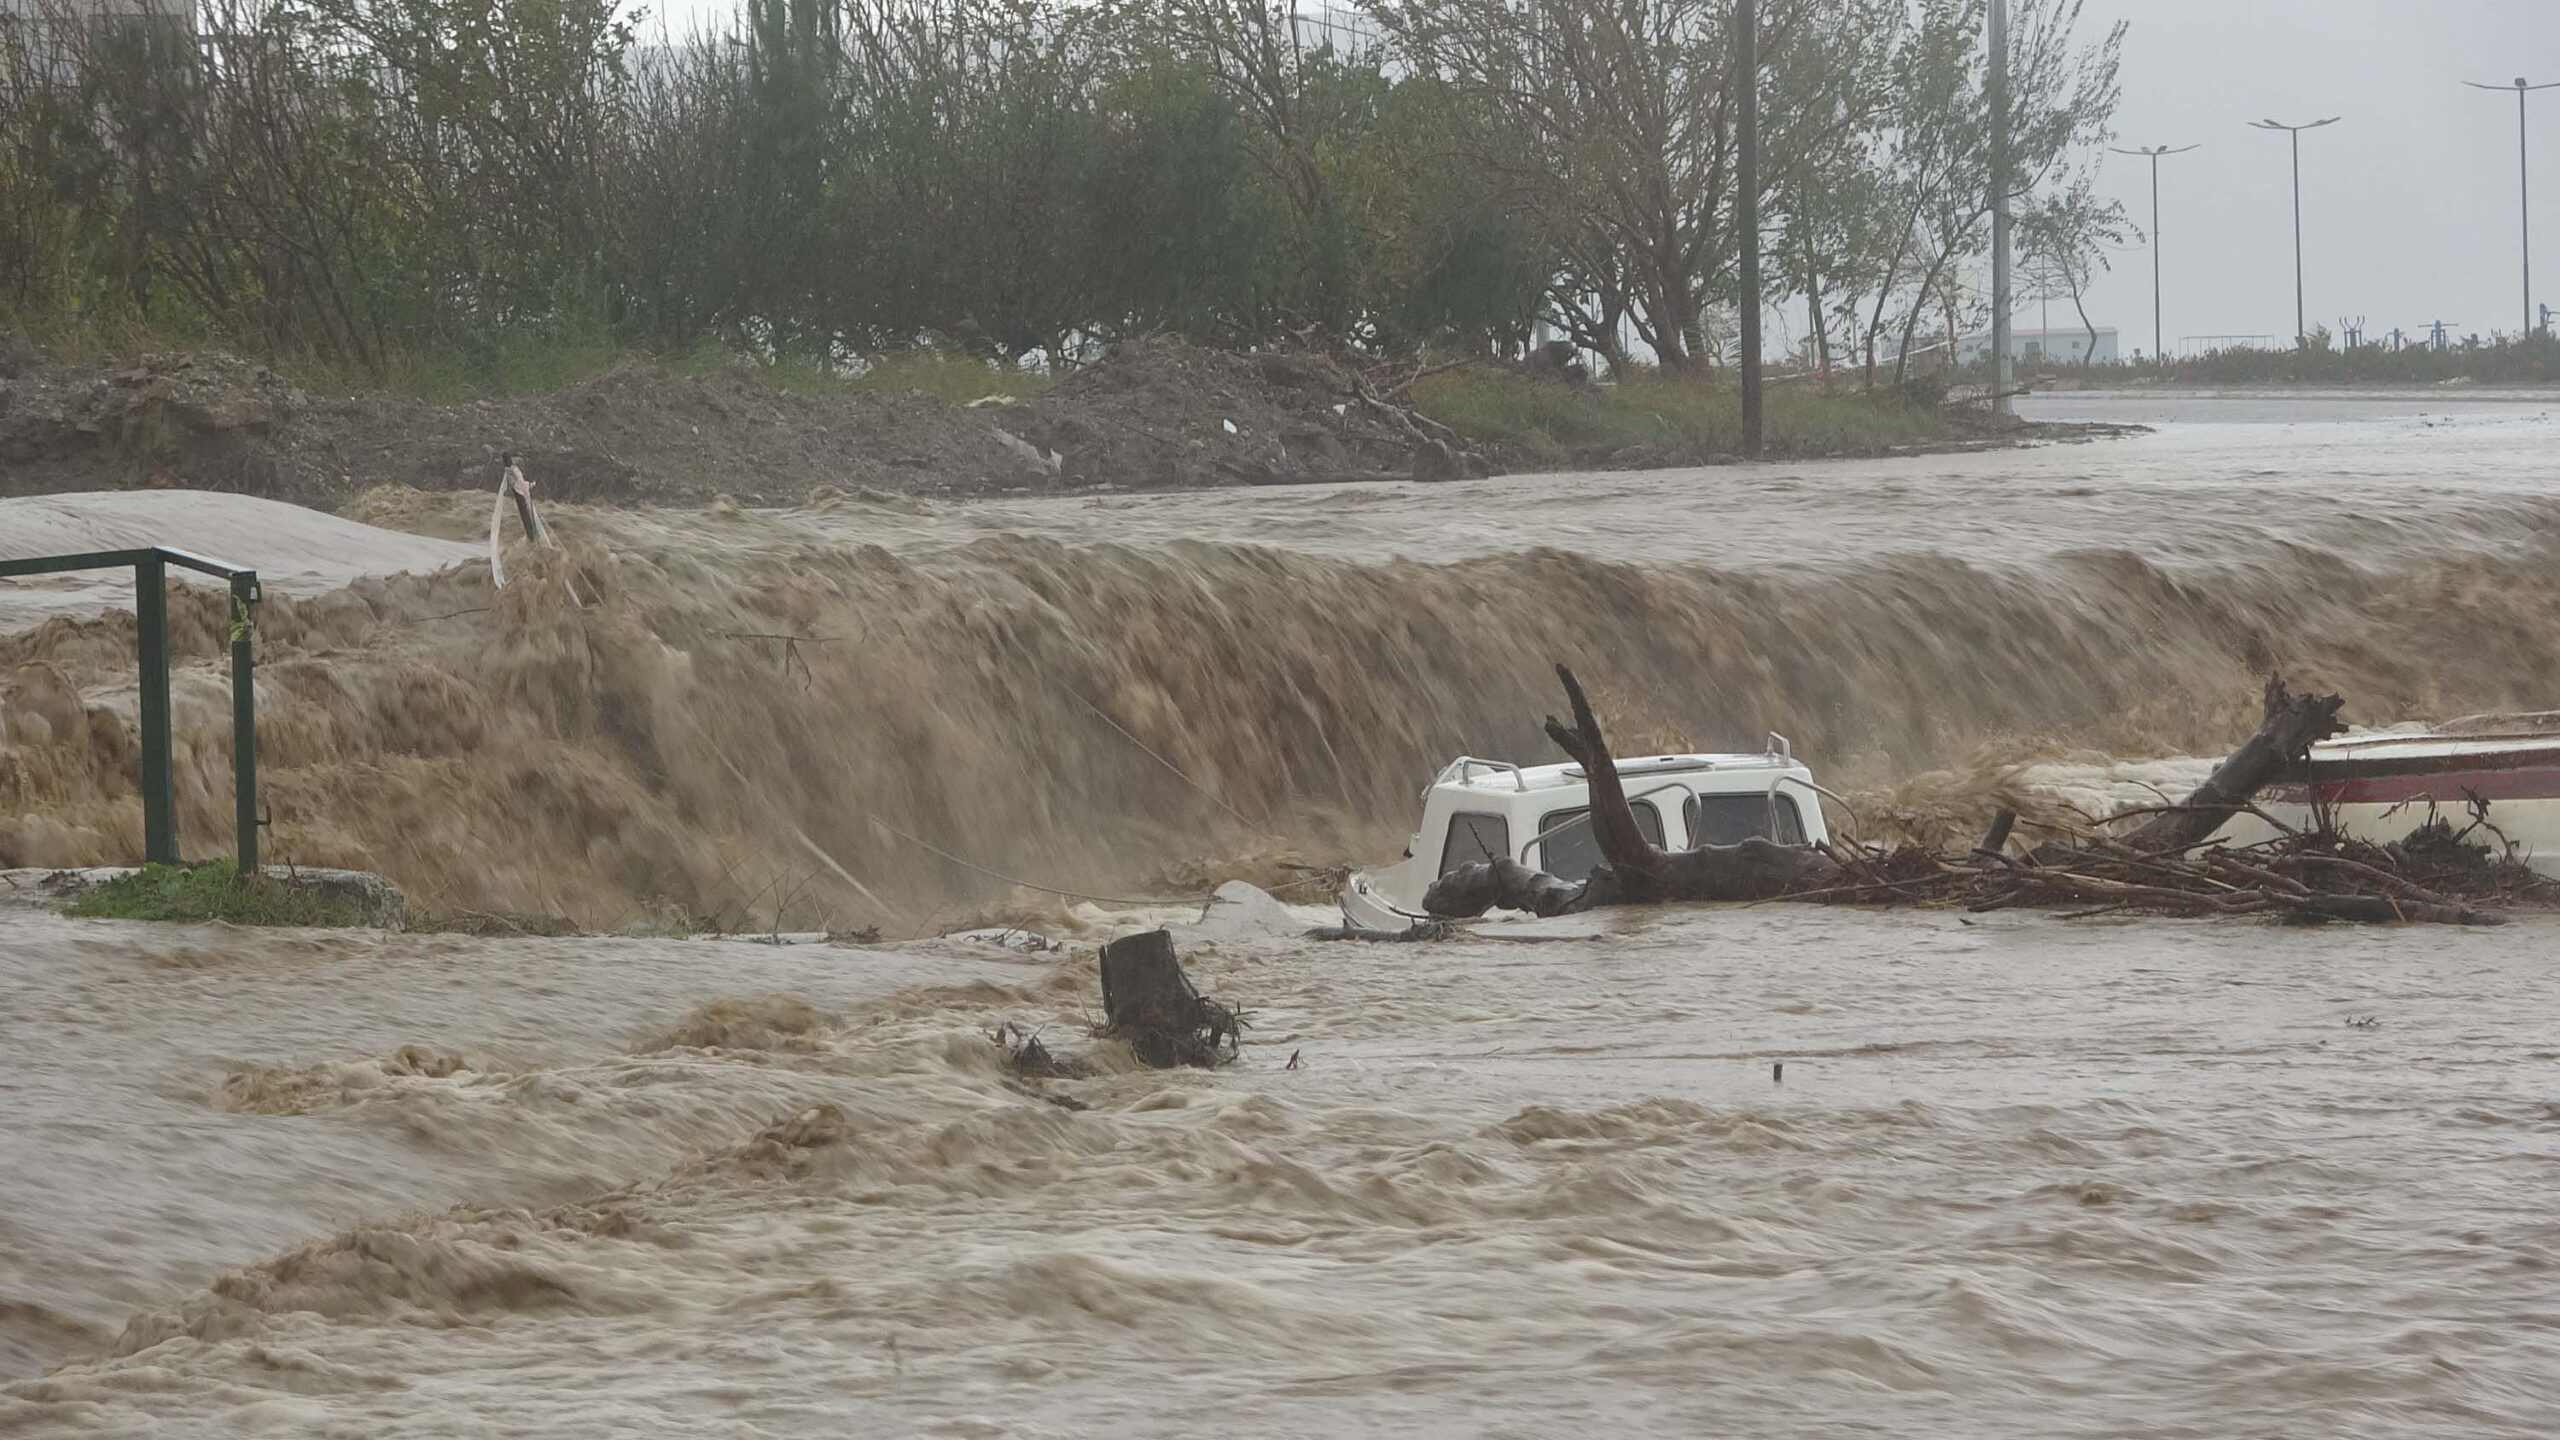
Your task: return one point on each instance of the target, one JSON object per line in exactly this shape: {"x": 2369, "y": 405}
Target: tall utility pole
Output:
{"x": 2159, "y": 352}
{"x": 2000, "y": 377}
{"x": 2301, "y": 330}
{"x": 2524, "y": 190}
{"x": 1746, "y": 59}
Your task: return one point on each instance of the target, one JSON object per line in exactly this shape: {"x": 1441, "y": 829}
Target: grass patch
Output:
{"x": 953, "y": 378}
{"x": 211, "y": 891}
{"x": 1649, "y": 419}
{"x": 528, "y": 365}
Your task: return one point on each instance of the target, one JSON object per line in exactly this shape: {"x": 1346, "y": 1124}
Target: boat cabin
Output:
{"x": 1540, "y": 815}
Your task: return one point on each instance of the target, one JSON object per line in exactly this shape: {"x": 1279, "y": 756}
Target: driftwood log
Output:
{"x": 2435, "y": 876}
{"x": 1503, "y": 883}
{"x": 2291, "y": 724}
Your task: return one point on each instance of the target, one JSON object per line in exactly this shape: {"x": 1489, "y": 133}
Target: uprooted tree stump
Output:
{"x": 2169, "y": 864}
{"x": 1150, "y": 1004}
{"x": 2290, "y": 725}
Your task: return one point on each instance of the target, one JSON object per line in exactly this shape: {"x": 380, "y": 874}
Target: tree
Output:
{"x": 2064, "y": 239}
{"x": 2062, "y": 99}
{"x": 367, "y": 181}
{"x": 1622, "y": 145}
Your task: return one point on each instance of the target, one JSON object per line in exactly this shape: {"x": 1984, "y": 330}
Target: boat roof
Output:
{"x": 1470, "y": 773}
{"x": 2429, "y": 746}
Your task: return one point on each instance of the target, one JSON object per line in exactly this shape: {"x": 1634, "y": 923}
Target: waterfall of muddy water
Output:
{"x": 982, "y": 678}
{"x": 2021, "y": 1178}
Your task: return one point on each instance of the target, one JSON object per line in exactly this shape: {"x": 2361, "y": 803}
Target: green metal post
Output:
{"x": 159, "y": 787}
{"x": 244, "y": 718}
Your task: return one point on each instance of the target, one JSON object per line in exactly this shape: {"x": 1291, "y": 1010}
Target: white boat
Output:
{"x": 2380, "y": 787}
{"x": 1540, "y": 815}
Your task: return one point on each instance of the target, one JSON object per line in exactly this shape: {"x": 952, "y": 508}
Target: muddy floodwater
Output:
{"x": 1758, "y": 1171}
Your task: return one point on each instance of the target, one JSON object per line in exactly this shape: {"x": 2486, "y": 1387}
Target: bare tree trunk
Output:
{"x": 2283, "y": 742}
{"x": 1636, "y": 871}
{"x": 2078, "y": 302}
{"x": 1752, "y": 870}
{"x": 1911, "y": 321}
{"x": 1813, "y": 312}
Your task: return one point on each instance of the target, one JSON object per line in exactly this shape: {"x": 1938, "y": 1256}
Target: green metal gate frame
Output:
{"x": 151, "y": 613}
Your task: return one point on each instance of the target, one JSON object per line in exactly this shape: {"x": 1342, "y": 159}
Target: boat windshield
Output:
{"x": 1571, "y": 852}
{"x": 1474, "y": 837}
{"x": 1732, "y": 819}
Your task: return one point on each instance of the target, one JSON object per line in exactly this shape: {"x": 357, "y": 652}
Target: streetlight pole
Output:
{"x": 2524, "y": 190}
{"x": 2160, "y": 351}
{"x": 1746, "y": 48}
{"x": 2000, "y": 298}
{"x": 2301, "y": 330}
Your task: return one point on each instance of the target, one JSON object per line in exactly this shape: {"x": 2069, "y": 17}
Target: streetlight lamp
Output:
{"x": 2524, "y": 205}
{"x": 2159, "y": 352}
{"x": 2301, "y": 331}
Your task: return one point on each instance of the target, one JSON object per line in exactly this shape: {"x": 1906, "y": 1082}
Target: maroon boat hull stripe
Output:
{"x": 2444, "y": 786}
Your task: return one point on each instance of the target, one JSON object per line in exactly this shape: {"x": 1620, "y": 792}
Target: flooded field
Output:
{"x": 2018, "y": 1176}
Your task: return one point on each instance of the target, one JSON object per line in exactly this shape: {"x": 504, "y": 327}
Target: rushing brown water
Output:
{"x": 2020, "y": 1177}
{"x": 998, "y": 683}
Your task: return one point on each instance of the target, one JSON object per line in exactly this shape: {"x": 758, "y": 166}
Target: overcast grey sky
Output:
{"x": 2408, "y": 202}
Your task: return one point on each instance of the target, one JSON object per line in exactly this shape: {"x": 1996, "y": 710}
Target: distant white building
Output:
{"x": 44, "y": 43}
{"x": 181, "y": 13}
{"x": 2058, "y": 346}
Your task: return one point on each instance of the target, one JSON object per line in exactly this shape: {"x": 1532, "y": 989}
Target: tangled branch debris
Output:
{"x": 1028, "y": 1056}
{"x": 2170, "y": 864}
{"x": 1148, "y": 1003}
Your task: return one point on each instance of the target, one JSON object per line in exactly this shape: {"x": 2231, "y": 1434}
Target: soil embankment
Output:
{"x": 1150, "y": 415}
{"x": 1153, "y": 414}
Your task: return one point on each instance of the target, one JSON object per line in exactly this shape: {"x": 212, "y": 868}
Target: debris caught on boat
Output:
{"x": 2188, "y": 858}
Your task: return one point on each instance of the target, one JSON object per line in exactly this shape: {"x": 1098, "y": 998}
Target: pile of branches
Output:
{"x": 2171, "y": 863}
{"x": 2298, "y": 875}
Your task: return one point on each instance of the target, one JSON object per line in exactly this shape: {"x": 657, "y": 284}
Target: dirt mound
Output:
{"x": 210, "y": 422}
{"x": 642, "y": 434}
{"x": 1159, "y": 413}
{"x": 1150, "y": 414}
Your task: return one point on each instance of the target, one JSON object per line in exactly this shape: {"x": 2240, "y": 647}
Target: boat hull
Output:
{"x": 2381, "y": 788}
{"x": 1371, "y": 900}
